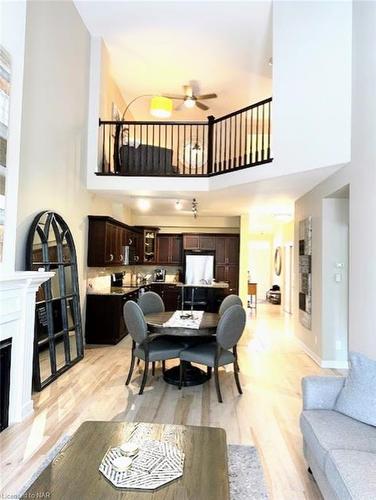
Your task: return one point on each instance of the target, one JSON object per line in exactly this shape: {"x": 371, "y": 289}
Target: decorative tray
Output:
{"x": 156, "y": 463}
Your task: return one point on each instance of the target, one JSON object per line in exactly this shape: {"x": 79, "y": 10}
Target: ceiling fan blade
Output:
{"x": 179, "y": 107}
{"x": 174, "y": 96}
{"x": 188, "y": 90}
{"x": 201, "y": 106}
{"x": 206, "y": 96}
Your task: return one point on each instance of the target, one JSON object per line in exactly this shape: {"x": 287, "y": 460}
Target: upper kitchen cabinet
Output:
{"x": 150, "y": 245}
{"x": 107, "y": 241}
{"x": 199, "y": 241}
{"x": 169, "y": 249}
{"x": 227, "y": 250}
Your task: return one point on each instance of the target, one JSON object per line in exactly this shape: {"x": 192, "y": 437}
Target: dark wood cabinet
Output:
{"x": 104, "y": 318}
{"x": 191, "y": 241}
{"x": 170, "y": 294}
{"x": 106, "y": 241}
{"x": 169, "y": 249}
{"x": 207, "y": 242}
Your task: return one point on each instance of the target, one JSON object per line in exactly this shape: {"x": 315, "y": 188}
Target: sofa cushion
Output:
{"x": 352, "y": 474}
{"x": 326, "y": 430}
{"x": 357, "y": 398}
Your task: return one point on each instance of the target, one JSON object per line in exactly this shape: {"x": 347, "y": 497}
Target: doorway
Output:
{"x": 335, "y": 278}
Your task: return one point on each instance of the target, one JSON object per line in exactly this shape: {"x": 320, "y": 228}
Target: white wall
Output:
{"x": 12, "y": 38}
{"x": 360, "y": 174}
{"x": 311, "y": 84}
{"x": 54, "y": 127}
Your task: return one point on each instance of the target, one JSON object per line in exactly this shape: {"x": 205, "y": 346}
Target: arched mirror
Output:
{"x": 58, "y": 341}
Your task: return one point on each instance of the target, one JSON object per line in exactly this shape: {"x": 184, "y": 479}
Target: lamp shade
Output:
{"x": 161, "y": 107}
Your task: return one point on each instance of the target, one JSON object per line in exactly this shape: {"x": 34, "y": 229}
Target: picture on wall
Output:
{"x": 305, "y": 272}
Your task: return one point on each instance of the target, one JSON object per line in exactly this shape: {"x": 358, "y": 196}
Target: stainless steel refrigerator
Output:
{"x": 198, "y": 268}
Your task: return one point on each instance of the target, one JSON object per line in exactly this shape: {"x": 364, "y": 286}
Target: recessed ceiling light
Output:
{"x": 178, "y": 205}
{"x": 143, "y": 205}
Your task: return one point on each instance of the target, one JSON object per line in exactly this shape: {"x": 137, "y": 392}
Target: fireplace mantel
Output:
{"x": 17, "y": 315}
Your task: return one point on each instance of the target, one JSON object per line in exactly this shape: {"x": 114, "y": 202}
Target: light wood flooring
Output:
{"x": 266, "y": 416}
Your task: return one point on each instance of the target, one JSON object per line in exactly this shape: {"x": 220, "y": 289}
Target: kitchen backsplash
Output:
{"x": 98, "y": 278}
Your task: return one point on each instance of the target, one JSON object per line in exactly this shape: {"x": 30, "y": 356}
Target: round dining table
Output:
{"x": 208, "y": 326}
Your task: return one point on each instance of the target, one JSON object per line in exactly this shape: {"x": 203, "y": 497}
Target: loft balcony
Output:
{"x": 233, "y": 142}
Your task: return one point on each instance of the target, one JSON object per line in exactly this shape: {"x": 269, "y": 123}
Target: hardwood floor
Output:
{"x": 266, "y": 416}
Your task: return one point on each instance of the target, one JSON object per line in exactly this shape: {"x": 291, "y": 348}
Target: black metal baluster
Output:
{"x": 263, "y": 132}
{"x": 165, "y": 150}
{"x": 190, "y": 149}
{"x": 215, "y": 165}
{"x": 257, "y": 132}
{"x": 269, "y": 118}
{"x": 235, "y": 141}
{"x": 225, "y": 148}
{"x": 103, "y": 149}
{"x": 240, "y": 139}
{"x": 178, "y": 152}
{"x": 220, "y": 148}
{"x": 251, "y": 150}
{"x": 153, "y": 152}
{"x": 109, "y": 148}
{"x": 184, "y": 136}
{"x": 246, "y": 139}
{"x": 172, "y": 147}
{"x": 147, "y": 147}
{"x": 230, "y": 162}
{"x": 159, "y": 149}
{"x": 204, "y": 167}
{"x": 196, "y": 146}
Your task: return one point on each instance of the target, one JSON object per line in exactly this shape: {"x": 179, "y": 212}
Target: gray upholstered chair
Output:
{"x": 151, "y": 302}
{"x": 146, "y": 346}
{"x": 215, "y": 354}
{"x": 230, "y": 300}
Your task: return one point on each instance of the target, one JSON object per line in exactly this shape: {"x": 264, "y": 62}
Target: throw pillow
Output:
{"x": 357, "y": 398}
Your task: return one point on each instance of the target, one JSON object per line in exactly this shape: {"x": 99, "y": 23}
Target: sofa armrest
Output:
{"x": 320, "y": 393}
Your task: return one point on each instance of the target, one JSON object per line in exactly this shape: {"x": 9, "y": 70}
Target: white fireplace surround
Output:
{"x": 17, "y": 315}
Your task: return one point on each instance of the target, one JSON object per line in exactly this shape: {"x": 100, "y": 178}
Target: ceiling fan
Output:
{"x": 190, "y": 99}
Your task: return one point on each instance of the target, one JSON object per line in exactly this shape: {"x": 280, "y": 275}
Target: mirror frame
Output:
{"x": 55, "y": 223}
{"x": 277, "y": 261}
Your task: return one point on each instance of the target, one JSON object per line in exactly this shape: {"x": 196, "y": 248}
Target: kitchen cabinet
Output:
{"x": 169, "y": 249}
{"x": 191, "y": 242}
{"x": 227, "y": 249}
{"x": 170, "y": 294}
{"x": 207, "y": 242}
{"x": 229, "y": 274}
{"x": 104, "y": 317}
{"x": 106, "y": 241}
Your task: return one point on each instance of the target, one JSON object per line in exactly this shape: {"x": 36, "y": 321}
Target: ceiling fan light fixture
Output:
{"x": 189, "y": 102}
{"x": 160, "y": 107}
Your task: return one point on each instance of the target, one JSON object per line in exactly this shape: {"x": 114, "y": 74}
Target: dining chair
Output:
{"x": 149, "y": 347}
{"x": 215, "y": 354}
{"x": 230, "y": 300}
{"x": 151, "y": 302}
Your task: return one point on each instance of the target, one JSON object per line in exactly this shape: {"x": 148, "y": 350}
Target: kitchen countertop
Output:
{"x": 124, "y": 290}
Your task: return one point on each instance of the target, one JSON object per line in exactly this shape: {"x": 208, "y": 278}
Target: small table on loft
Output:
{"x": 74, "y": 473}
{"x": 208, "y": 326}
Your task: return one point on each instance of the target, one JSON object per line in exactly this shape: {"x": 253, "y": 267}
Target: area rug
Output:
{"x": 245, "y": 473}
{"x": 246, "y": 476}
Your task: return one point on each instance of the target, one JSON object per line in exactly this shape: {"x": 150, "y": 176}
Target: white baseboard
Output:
{"x": 308, "y": 351}
{"x": 323, "y": 363}
{"x": 327, "y": 363}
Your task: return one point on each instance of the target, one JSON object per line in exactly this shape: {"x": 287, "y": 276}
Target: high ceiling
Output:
{"x": 156, "y": 47}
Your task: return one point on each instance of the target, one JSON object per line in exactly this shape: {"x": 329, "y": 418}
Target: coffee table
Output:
{"x": 74, "y": 473}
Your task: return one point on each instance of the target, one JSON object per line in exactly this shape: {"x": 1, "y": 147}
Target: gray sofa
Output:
{"x": 340, "y": 451}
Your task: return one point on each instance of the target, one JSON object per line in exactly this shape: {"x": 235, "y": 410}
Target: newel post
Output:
{"x": 211, "y": 120}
